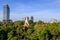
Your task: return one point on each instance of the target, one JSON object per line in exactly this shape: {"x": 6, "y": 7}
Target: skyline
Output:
{"x": 39, "y": 9}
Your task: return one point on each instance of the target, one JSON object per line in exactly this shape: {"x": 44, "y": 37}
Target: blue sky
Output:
{"x": 40, "y": 9}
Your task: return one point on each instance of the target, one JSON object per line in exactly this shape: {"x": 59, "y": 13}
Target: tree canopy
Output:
{"x": 10, "y": 30}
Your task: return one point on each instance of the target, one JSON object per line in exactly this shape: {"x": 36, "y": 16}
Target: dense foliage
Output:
{"x": 37, "y": 31}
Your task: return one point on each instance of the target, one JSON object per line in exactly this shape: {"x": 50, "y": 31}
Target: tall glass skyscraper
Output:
{"x": 6, "y": 12}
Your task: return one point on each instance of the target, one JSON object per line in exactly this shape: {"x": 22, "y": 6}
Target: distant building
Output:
{"x": 53, "y": 21}
{"x": 26, "y": 18}
{"x": 26, "y": 23}
{"x": 6, "y": 12}
{"x": 32, "y": 18}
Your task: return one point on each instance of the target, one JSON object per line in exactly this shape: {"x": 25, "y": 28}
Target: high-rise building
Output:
{"x": 32, "y": 18}
{"x": 6, "y": 12}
